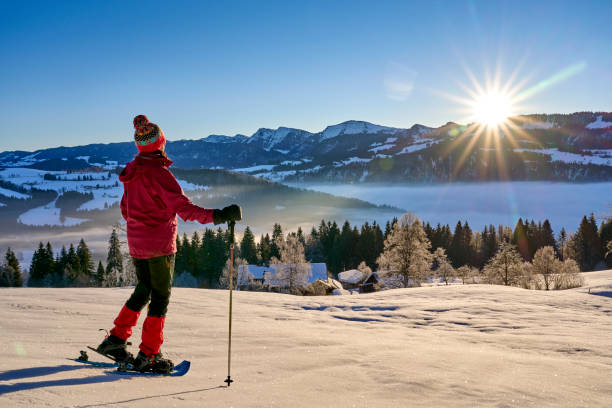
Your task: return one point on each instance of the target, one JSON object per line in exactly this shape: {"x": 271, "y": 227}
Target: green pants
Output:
{"x": 154, "y": 284}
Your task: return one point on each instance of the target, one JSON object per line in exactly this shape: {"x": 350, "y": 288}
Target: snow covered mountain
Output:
{"x": 353, "y": 127}
{"x": 574, "y": 147}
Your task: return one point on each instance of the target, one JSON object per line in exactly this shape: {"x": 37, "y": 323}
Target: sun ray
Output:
{"x": 468, "y": 149}
{"x": 492, "y": 109}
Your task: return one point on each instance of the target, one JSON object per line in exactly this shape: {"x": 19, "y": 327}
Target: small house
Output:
{"x": 351, "y": 279}
{"x": 370, "y": 284}
{"x": 266, "y": 275}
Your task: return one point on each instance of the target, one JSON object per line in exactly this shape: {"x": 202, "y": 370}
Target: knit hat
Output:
{"x": 148, "y": 136}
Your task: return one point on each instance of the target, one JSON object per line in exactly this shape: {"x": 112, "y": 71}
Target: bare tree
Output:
{"x": 292, "y": 269}
{"x": 406, "y": 250}
{"x": 506, "y": 265}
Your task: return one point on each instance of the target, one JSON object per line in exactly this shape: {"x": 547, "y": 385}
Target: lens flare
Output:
{"x": 492, "y": 108}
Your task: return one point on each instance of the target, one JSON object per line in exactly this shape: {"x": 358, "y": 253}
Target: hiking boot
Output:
{"x": 115, "y": 348}
{"x": 155, "y": 363}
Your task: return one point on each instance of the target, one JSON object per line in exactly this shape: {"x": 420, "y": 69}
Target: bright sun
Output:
{"x": 492, "y": 108}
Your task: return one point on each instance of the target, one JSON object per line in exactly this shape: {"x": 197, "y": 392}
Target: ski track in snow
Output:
{"x": 459, "y": 346}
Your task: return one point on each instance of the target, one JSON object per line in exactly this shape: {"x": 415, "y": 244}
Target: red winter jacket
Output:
{"x": 151, "y": 200}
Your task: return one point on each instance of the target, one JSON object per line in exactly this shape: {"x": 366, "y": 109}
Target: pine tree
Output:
{"x": 100, "y": 274}
{"x": 457, "y": 251}
{"x": 264, "y": 249}
{"x": 520, "y": 239}
{"x": 605, "y": 237}
{"x": 178, "y": 258}
{"x": 329, "y": 235}
{"x": 13, "y": 263}
{"x": 37, "y": 273}
{"x": 548, "y": 236}
{"x": 206, "y": 258}
{"x": 561, "y": 243}
{"x": 466, "y": 244}
{"x": 84, "y": 255}
{"x": 277, "y": 234}
{"x": 75, "y": 275}
{"x": 192, "y": 254}
{"x": 347, "y": 247}
{"x": 114, "y": 261}
{"x": 48, "y": 262}
{"x": 248, "y": 249}
{"x": 312, "y": 248}
{"x": 366, "y": 245}
{"x": 300, "y": 236}
{"x": 585, "y": 244}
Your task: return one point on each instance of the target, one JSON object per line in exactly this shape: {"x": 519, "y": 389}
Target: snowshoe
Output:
{"x": 115, "y": 348}
{"x": 155, "y": 363}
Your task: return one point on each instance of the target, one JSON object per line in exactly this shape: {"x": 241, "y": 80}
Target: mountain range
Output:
{"x": 561, "y": 147}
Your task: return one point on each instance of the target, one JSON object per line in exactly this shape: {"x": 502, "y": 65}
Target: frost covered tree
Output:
{"x": 406, "y": 250}
{"x": 506, "y": 266}
{"x": 128, "y": 276}
{"x": 546, "y": 265}
{"x": 238, "y": 273}
{"x": 291, "y": 270}
{"x": 569, "y": 276}
{"x": 114, "y": 261}
{"x": 444, "y": 270}
{"x": 466, "y": 272}
{"x": 364, "y": 269}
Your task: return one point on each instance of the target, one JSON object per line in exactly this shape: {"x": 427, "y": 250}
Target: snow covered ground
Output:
{"x": 48, "y": 214}
{"x": 601, "y": 157}
{"x": 105, "y": 187}
{"x": 459, "y": 346}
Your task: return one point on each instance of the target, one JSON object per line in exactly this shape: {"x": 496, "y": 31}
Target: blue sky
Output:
{"x": 75, "y": 73}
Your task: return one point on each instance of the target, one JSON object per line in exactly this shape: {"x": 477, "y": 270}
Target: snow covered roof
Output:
{"x": 319, "y": 271}
{"x": 353, "y": 276}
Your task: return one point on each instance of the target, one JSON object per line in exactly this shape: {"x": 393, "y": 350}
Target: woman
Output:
{"x": 151, "y": 200}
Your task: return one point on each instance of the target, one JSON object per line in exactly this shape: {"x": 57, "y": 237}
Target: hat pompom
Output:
{"x": 140, "y": 123}
{"x": 148, "y": 136}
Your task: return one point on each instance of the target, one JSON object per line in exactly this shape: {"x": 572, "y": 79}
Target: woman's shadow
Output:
{"x": 22, "y": 373}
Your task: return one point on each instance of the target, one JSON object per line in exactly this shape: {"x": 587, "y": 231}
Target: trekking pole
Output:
{"x": 231, "y": 224}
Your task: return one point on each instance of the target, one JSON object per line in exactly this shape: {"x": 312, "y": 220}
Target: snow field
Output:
{"x": 48, "y": 214}
{"x": 106, "y": 192}
{"x": 460, "y": 346}
{"x": 599, "y": 124}
{"x": 567, "y": 157}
